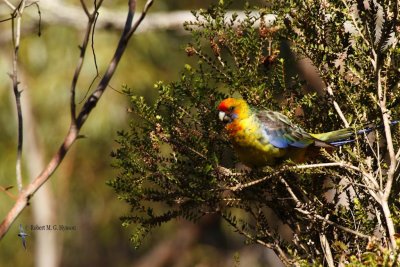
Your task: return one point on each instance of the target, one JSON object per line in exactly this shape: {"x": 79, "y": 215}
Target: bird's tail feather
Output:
{"x": 347, "y": 135}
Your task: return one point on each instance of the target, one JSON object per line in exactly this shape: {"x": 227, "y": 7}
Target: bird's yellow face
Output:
{"x": 233, "y": 112}
{"x": 232, "y": 109}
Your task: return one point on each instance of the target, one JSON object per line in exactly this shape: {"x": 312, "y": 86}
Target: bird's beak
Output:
{"x": 224, "y": 118}
{"x": 221, "y": 115}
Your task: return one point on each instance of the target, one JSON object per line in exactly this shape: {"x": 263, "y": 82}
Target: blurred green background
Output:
{"x": 78, "y": 192}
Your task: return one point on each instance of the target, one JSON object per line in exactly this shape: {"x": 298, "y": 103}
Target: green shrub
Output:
{"x": 175, "y": 160}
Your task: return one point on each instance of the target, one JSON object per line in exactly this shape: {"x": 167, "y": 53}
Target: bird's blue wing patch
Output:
{"x": 278, "y": 142}
{"x": 282, "y": 139}
{"x": 279, "y": 131}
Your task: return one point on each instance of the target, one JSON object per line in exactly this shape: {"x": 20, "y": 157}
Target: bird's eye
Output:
{"x": 231, "y": 109}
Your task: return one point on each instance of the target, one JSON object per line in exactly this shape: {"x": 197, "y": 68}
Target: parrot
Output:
{"x": 266, "y": 138}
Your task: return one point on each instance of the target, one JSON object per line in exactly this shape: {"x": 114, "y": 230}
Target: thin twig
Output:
{"x": 326, "y": 249}
{"x": 241, "y": 186}
{"x": 327, "y": 164}
{"x": 337, "y": 107}
{"x": 89, "y": 29}
{"x": 96, "y": 14}
{"x": 290, "y": 191}
{"x": 389, "y": 140}
{"x": 127, "y": 33}
{"x": 367, "y": 176}
{"x": 7, "y": 191}
{"x": 227, "y": 172}
{"x": 342, "y": 164}
{"x": 35, "y": 3}
{"x": 16, "y": 34}
{"x": 398, "y": 155}
{"x": 319, "y": 217}
{"x": 10, "y": 5}
{"x": 84, "y": 7}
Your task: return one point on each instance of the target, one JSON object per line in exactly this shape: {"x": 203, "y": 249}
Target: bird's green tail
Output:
{"x": 346, "y": 135}
{"x": 335, "y": 136}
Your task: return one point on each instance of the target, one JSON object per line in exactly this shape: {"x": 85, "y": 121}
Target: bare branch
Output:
{"x": 85, "y": 8}
{"x": 388, "y": 135}
{"x": 11, "y": 6}
{"x": 319, "y": 217}
{"x": 241, "y": 186}
{"x": 337, "y": 107}
{"x": 369, "y": 180}
{"x": 127, "y": 33}
{"x": 342, "y": 164}
{"x": 392, "y": 156}
{"x": 23, "y": 198}
{"x": 328, "y": 164}
{"x": 290, "y": 191}
{"x": 16, "y": 35}
{"x": 147, "y": 6}
{"x": 89, "y": 29}
{"x": 327, "y": 249}
{"x": 6, "y": 190}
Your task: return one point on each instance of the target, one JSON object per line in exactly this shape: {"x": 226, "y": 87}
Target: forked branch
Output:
{"x": 73, "y": 133}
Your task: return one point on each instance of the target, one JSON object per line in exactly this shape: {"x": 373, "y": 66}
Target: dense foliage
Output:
{"x": 175, "y": 160}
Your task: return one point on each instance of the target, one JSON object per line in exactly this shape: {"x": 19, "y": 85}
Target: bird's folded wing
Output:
{"x": 279, "y": 131}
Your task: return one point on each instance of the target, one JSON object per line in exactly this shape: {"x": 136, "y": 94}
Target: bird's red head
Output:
{"x": 231, "y": 109}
